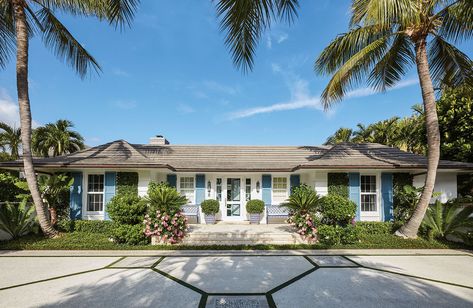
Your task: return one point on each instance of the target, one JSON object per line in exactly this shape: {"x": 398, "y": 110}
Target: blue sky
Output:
{"x": 171, "y": 74}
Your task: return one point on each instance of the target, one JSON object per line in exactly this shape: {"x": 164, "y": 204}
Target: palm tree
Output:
{"x": 342, "y": 135}
{"x": 362, "y": 134}
{"x": 57, "y": 139}
{"x": 387, "y": 37}
{"x": 19, "y": 21}
{"x": 10, "y": 139}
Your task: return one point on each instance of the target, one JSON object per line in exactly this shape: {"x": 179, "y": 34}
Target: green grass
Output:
{"x": 97, "y": 241}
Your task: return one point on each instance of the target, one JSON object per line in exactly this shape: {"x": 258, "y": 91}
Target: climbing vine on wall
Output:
{"x": 127, "y": 182}
{"x": 338, "y": 184}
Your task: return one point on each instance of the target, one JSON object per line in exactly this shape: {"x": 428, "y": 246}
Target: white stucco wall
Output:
{"x": 445, "y": 184}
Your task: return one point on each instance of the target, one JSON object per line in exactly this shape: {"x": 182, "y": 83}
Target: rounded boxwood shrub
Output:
{"x": 337, "y": 210}
{"x": 129, "y": 234}
{"x": 210, "y": 206}
{"x": 255, "y": 206}
{"x": 127, "y": 209}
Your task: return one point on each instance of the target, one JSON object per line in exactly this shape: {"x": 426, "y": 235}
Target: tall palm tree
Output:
{"x": 19, "y": 21}
{"x": 340, "y": 136}
{"x": 387, "y": 37}
{"x": 10, "y": 139}
{"x": 57, "y": 139}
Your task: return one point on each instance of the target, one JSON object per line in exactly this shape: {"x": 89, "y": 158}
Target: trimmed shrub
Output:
{"x": 210, "y": 206}
{"x": 65, "y": 225}
{"x": 255, "y": 206}
{"x": 92, "y": 226}
{"x": 374, "y": 227}
{"x": 129, "y": 234}
{"x": 127, "y": 183}
{"x": 350, "y": 235}
{"x": 127, "y": 209}
{"x": 329, "y": 235}
{"x": 338, "y": 184}
{"x": 337, "y": 210}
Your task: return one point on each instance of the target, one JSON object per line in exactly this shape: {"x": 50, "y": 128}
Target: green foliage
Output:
{"x": 303, "y": 200}
{"x": 336, "y": 235}
{"x": 374, "y": 227}
{"x": 127, "y": 183}
{"x": 337, "y": 210}
{"x": 338, "y": 184}
{"x": 54, "y": 139}
{"x": 451, "y": 219}
{"x": 64, "y": 224}
{"x": 92, "y": 226}
{"x": 53, "y": 188}
{"x": 306, "y": 225}
{"x": 127, "y": 209}
{"x": 210, "y": 206}
{"x": 455, "y": 114}
{"x": 256, "y": 206}
{"x": 342, "y": 135}
{"x": 10, "y": 138}
{"x": 166, "y": 228}
{"x": 129, "y": 234}
{"x": 406, "y": 200}
{"x": 8, "y": 189}
{"x": 164, "y": 198}
{"x": 465, "y": 184}
{"x": 18, "y": 219}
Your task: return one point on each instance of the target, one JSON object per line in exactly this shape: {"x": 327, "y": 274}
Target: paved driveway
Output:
{"x": 237, "y": 279}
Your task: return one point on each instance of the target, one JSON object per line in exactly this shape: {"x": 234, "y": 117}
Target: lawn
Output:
{"x": 98, "y": 241}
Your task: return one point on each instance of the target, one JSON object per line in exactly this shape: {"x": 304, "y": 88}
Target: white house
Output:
{"x": 235, "y": 174}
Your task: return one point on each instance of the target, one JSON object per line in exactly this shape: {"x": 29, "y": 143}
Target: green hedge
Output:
{"x": 336, "y": 235}
{"x": 92, "y": 226}
{"x": 374, "y": 227}
{"x": 127, "y": 182}
{"x": 338, "y": 184}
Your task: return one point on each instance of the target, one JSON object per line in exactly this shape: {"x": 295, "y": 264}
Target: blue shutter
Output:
{"x": 354, "y": 189}
{"x": 267, "y": 188}
{"x": 387, "y": 196}
{"x": 199, "y": 188}
{"x": 109, "y": 193}
{"x": 75, "y": 197}
{"x": 295, "y": 180}
{"x": 172, "y": 180}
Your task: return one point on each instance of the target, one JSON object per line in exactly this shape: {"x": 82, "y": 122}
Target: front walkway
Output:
{"x": 366, "y": 278}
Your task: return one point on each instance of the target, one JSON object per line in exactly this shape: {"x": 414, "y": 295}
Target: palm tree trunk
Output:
{"x": 411, "y": 228}
{"x": 25, "y": 115}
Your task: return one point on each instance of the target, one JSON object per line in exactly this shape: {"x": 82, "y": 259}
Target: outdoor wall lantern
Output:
{"x": 257, "y": 187}
{"x": 209, "y": 187}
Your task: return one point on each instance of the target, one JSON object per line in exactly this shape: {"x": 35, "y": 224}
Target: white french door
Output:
{"x": 233, "y": 197}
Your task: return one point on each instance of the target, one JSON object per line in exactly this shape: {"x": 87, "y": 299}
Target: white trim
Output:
{"x": 178, "y": 184}
{"x": 372, "y": 215}
{"x": 91, "y": 215}
{"x": 288, "y": 186}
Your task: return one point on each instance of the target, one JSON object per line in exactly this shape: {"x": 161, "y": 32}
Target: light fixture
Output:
{"x": 209, "y": 187}
{"x": 257, "y": 187}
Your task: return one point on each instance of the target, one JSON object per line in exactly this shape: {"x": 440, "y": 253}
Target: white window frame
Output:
{"x": 276, "y": 191}
{"x": 94, "y": 193}
{"x": 191, "y": 200}
{"x": 376, "y": 194}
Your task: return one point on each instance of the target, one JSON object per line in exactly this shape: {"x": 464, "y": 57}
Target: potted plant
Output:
{"x": 255, "y": 208}
{"x": 210, "y": 207}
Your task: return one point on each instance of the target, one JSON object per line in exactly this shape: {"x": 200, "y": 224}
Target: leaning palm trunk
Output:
{"x": 25, "y": 116}
{"x": 433, "y": 140}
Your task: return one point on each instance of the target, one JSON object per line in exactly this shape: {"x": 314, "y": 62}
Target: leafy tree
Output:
{"x": 19, "y": 21}
{"x": 385, "y": 39}
{"x": 10, "y": 139}
{"x": 57, "y": 139}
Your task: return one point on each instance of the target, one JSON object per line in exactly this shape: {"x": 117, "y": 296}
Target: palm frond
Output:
{"x": 64, "y": 45}
{"x": 7, "y": 33}
{"x": 384, "y": 13}
{"x": 449, "y": 66}
{"x": 456, "y": 21}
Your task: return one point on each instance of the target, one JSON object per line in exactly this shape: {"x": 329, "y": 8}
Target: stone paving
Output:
{"x": 238, "y": 280}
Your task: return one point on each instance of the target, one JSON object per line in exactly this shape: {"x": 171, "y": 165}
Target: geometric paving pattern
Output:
{"x": 235, "y": 281}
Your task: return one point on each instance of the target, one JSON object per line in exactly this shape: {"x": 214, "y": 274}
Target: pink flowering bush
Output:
{"x": 306, "y": 225}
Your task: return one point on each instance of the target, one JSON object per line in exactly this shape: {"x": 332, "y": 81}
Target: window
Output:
{"x": 279, "y": 187}
{"x": 95, "y": 188}
{"x": 248, "y": 189}
{"x": 219, "y": 189}
{"x": 186, "y": 186}
{"x": 368, "y": 193}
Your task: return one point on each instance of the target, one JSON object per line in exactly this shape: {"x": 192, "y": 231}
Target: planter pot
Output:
{"x": 255, "y": 218}
{"x": 209, "y": 219}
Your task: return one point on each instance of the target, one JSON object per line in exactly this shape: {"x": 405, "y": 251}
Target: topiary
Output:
{"x": 255, "y": 206}
{"x": 210, "y": 206}
{"x": 337, "y": 210}
{"x": 127, "y": 209}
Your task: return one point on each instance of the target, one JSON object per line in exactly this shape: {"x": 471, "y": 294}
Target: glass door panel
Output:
{"x": 233, "y": 197}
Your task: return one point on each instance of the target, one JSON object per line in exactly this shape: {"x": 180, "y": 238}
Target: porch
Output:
{"x": 225, "y": 233}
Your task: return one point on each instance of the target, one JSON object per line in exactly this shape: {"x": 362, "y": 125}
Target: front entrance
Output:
{"x": 233, "y": 200}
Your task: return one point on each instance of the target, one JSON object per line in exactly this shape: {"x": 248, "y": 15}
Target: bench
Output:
{"x": 191, "y": 210}
{"x": 276, "y": 211}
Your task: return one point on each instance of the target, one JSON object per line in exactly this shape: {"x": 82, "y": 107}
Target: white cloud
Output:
{"x": 183, "y": 108}
{"x": 9, "y": 111}
{"x": 278, "y": 37}
{"x": 218, "y": 87}
{"x": 269, "y": 42}
{"x": 121, "y": 73}
{"x": 282, "y": 37}
{"x": 276, "y": 67}
{"x": 301, "y": 98}
{"x": 125, "y": 105}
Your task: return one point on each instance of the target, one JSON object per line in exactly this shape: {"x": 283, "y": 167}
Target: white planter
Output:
{"x": 209, "y": 219}
{"x": 255, "y": 218}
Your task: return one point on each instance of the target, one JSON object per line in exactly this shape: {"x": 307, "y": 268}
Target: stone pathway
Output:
{"x": 237, "y": 281}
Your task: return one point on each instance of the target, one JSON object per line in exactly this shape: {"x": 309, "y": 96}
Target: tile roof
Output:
{"x": 121, "y": 154}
